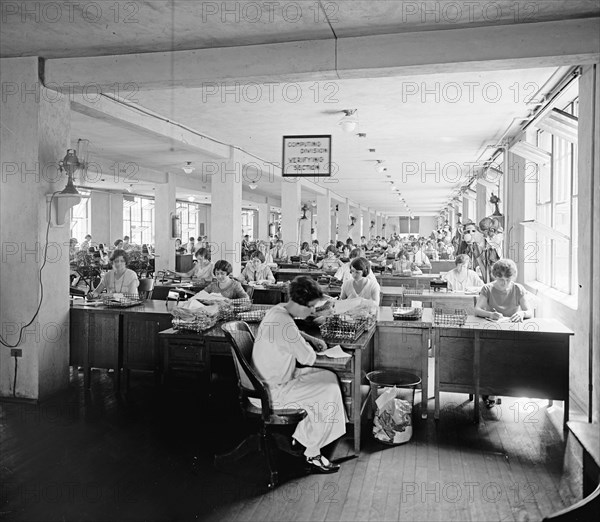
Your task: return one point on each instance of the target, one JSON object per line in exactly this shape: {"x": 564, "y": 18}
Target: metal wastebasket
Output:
{"x": 393, "y": 424}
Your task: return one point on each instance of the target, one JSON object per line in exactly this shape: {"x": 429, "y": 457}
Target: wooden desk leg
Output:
{"x": 437, "y": 354}
{"x": 356, "y": 399}
{"x": 425, "y": 335}
{"x": 476, "y": 366}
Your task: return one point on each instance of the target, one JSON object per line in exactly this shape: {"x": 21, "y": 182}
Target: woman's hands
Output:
{"x": 517, "y": 317}
{"x": 318, "y": 344}
{"x": 495, "y": 315}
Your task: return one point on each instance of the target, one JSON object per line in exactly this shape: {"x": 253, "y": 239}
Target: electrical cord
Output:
{"x": 15, "y": 378}
{"x": 2, "y": 341}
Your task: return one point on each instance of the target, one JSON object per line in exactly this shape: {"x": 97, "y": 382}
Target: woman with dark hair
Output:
{"x": 203, "y": 269}
{"x": 225, "y": 285}
{"x": 361, "y": 285}
{"x": 462, "y": 277}
{"x": 305, "y": 254}
{"x": 279, "y": 346}
{"x": 119, "y": 280}
{"x": 503, "y": 297}
{"x": 330, "y": 262}
{"x": 256, "y": 270}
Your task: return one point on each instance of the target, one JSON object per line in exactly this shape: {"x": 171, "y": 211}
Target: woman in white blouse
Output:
{"x": 119, "y": 280}
{"x": 361, "y": 285}
{"x": 461, "y": 277}
{"x": 203, "y": 269}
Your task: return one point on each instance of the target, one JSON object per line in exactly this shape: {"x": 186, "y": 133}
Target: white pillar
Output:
{"x": 100, "y": 218}
{"x": 324, "y": 219}
{"x": 164, "y": 210}
{"x": 366, "y": 223}
{"x": 290, "y": 214}
{"x": 226, "y": 210}
{"x": 36, "y": 127}
{"x": 305, "y": 226}
{"x": 343, "y": 221}
{"x": 116, "y": 218}
{"x": 334, "y": 226}
{"x": 481, "y": 202}
{"x": 264, "y": 210}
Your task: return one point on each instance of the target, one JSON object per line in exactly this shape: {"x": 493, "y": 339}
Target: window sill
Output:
{"x": 541, "y": 290}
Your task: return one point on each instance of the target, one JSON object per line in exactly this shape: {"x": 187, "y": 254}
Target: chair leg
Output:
{"x": 251, "y": 443}
{"x": 266, "y": 447}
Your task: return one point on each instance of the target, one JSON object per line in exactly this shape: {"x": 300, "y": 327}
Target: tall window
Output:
{"x": 409, "y": 226}
{"x": 557, "y": 208}
{"x": 138, "y": 219}
{"x": 188, "y": 213}
{"x": 248, "y": 223}
{"x": 80, "y": 219}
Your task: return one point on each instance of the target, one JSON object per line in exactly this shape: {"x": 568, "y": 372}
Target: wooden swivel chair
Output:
{"x": 145, "y": 288}
{"x": 251, "y": 386}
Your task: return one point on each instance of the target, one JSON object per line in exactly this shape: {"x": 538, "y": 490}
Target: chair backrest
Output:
{"x": 145, "y": 288}
{"x": 160, "y": 293}
{"x": 242, "y": 343}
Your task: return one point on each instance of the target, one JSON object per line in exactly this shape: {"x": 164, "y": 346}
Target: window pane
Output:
{"x": 561, "y": 276}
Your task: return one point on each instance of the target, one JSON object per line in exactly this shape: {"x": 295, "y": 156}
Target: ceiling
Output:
{"x": 429, "y": 130}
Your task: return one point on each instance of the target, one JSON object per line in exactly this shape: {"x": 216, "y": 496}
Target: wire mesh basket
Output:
{"x": 124, "y": 301}
{"x": 444, "y": 317}
{"x": 343, "y": 328}
{"x": 193, "y": 320}
{"x": 252, "y": 316}
{"x": 241, "y": 305}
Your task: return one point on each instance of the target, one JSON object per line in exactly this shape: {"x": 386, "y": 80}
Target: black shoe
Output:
{"x": 320, "y": 464}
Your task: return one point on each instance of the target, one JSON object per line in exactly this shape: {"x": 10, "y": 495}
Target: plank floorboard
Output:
{"x": 91, "y": 456}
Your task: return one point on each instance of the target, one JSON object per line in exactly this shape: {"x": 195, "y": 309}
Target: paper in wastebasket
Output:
{"x": 392, "y": 422}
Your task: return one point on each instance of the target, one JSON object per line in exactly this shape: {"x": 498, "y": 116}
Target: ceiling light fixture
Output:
{"x": 379, "y": 166}
{"x": 349, "y": 122}
{"x": 187, "y": 168}
{"x": 252, "y": 185}
{"x": 191, "y": 199}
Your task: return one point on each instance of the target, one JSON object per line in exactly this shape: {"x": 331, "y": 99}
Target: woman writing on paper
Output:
{"x": 279, "y": 346}
{"x": 503, "y": 297}
{"x": 361, "y": 285}
{"x": 225, "y": 285}
{"x": 462, "y": 277}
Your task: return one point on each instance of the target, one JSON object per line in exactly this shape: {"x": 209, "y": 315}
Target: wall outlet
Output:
{"x": 16, "y": 352}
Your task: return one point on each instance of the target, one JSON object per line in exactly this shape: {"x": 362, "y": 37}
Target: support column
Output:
{"x": 116, "y": 218}
{"x": 305, "y": 226}
{"x": 366, "y": 223}
{"x": 324, "y": 221}
{"x": 356, "y": 230}
{"x": 482, "y": 198}
{"x": 100, "y": 218}
{"x": 343, "y": 221}
{"x": 264, "y": 209}
{"x": 334, "y": 226}
{"x": 164, "y": 210}
{"x": 290, "y": 214}
{"x": 378, "y": 224}
{"x": 226, "y": 209}
{"x": 36, "y": 127}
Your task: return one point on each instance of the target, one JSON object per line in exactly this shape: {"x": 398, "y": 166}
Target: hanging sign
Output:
{"x": 306, "y": 156}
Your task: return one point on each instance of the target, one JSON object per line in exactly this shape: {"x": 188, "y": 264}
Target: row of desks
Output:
{"x": 529, "y": 359}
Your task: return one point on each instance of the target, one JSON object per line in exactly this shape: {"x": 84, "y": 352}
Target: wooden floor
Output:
{"x": 96, "y": 456}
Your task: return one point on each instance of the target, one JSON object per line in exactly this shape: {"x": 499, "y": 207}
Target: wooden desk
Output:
{"x": 529, "y": 359}
{"x": 115, "y": 338}
{"x": 288, "y": 274}
{"x": 442, "y": 266}
{"x": 190, "y": 351}
{"x": 442, "y": 299}
{"x": 407, "y": 281}
{"x": 404, "y": 345}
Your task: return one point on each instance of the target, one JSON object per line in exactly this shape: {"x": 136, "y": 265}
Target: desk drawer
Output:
{"x": 186, "y": 353}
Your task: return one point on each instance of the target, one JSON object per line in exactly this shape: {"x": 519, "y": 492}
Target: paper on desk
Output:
{"x": 205, "y": 296}
{"x": 416, "y": 304}
{"x": 501, "y": 320}
{"x": 336, "y": 352}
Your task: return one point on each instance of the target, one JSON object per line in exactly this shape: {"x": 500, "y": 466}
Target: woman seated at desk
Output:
{"x": 256, "y": 270}
{"x": 225, "y": 285}
{"x": 119, "y": 280}
{"x": 263, "y": 248}
{"x": 306, "y": 256}
{"x": 279, "y": 346}
{"x": 202, "y": 271}
{"x": 462, "y": 277}
{"x": 361, "y": 285}
{"x": 330, "y": 262}
{"x": 402, "y": 266}
{"x": 503, "y": 297}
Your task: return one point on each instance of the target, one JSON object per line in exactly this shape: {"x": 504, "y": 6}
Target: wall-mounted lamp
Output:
{"x": 372, "y": 225}
{"x": 252, "y": 185}
{"x": 352, "y": 221}
{"x": 379, "y": 166}
{"x": 304, "y": 209}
